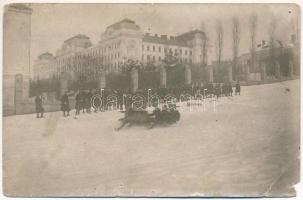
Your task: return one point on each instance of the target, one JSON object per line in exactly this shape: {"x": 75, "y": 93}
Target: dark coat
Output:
{"x": 65, "y": 103}
{"x": 238, "y": 87}
{"x": 38, "y": 102}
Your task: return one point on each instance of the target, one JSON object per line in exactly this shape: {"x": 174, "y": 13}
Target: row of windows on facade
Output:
{"x": 95, "y": 52}
{"x": 116, "y": 55}
{"x": 113, "y": 46}
{"x": 44, "y": 74}
{"x": 63, "y": 63}
{"x": 153, "y": 58}
{"x": 69, "y": 60}
{"x": 74, "y": 68}
{"x": 116, "y": 66}
{"x": 101, "y": 50}
{"x": 107, "y": 66}
{"x": 166, "y": 50}
{"x": 78, "y": 68}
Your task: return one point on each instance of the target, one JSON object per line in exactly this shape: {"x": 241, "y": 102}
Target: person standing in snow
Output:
{"x": 238, "y": 88}
{"x": 65, "y": 104}
{"x": 230, "y": 90}
{"x": 39, "y": 107}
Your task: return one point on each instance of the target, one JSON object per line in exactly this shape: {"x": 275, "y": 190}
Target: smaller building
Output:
{"x": 274, "y": 60}
{"x": 76, "y": 43}
{"x": 41, "y": 69}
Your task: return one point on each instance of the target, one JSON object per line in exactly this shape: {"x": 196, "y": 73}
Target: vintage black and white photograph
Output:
{"x": 151, "y": 100}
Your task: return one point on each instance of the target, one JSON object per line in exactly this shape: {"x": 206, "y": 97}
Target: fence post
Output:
{"x": 102, "y": 81}
{"x": 63, "y": 83}
{"x": 247, "y": 72}
{"x": 263, "y": 71}
{"x": 277, "y": 70}
{"x": 134, "y": 79}
{"x": 162, "y": 76}
{"x": 211, "y": 74}
{"x": 187, "y": 75}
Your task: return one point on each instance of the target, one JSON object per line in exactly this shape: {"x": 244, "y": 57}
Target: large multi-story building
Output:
{"x": 120, "y": 42}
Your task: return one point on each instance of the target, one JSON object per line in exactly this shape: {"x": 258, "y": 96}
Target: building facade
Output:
{"x": 278, "y": 60}
{"x": 119, "y": 43}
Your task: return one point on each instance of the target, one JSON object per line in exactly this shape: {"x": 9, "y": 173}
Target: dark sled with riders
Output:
{"x": 149, "y": 120}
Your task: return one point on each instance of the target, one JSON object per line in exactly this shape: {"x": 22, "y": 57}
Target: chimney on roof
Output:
{"x": 164, "y": 37}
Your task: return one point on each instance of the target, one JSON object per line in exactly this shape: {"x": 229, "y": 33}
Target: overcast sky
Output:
{"x": 54, "y": 23}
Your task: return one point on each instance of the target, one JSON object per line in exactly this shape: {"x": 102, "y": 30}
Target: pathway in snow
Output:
{"x": 248, "y": 144}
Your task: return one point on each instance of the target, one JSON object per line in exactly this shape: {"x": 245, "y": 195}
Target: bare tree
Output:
{"x": 272, "y": 30}
{"x": 219, "y": 41}
{"x": 205, "y": 45}
{"x": 272, "y": 39}
{"x": 253, "y": 22}
{"x": 236, "y": 41}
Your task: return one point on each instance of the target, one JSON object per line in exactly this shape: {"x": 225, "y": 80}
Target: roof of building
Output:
{"x": 190, "y": 35}
{"x": 126, "y": 23}
{"x": 46, "y": 55}
{"x": 20, "y": 6}
{"x": 163, "y": 40}
{"x": 79, "y": 36}
{"x": 180, "y": 40}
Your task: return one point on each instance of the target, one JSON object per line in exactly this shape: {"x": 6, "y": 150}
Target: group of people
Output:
{"x": 166, "y": 115}
{"x": 226, "y": 89}
{"x": 84, "y": 100}
{"x": 205, "y": 90}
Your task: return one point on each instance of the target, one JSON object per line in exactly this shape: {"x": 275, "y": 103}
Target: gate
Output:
{"x": 149, "y": 79}
{"x": 175, "y": 76}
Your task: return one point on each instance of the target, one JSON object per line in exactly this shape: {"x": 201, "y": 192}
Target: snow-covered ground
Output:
{"x": 248, "y": 145}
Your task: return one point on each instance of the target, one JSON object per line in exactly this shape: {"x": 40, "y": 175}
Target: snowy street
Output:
{"x": 248, "y": 144}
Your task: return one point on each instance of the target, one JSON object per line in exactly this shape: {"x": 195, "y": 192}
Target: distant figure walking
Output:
{"x": 230, "y": 90}
{"x": 39, "y": 107}
{"x": 238, "y": 88}
{"x": 65, "y": 105}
